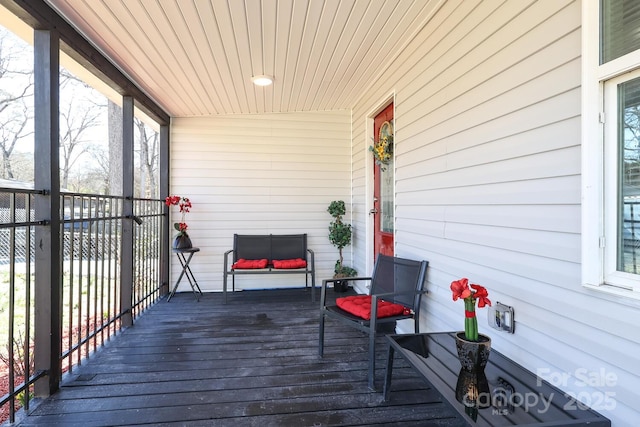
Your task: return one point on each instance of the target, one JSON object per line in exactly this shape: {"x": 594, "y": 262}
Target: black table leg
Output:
{"x": 388, "y": 374}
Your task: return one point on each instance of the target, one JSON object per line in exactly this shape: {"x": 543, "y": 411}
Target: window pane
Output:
{"x": 386, "y": 197}
{"x": 620, "y": 28}
{"x": 629, "y": 179}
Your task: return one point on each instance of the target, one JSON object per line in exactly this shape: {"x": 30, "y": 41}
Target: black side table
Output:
{"x": 504, "y": 394}
{"x": 186, "y": 270}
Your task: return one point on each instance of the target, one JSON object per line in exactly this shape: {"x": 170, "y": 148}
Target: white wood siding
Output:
{"x": 259, "y": 174}
{"x": 487, "y": 146}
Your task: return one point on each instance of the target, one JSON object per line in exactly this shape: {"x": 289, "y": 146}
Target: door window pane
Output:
{"x": 386, "y": 198}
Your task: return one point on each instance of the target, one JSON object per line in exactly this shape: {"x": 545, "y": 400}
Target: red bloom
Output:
{"x": 172, "y": 200}
{"x": 460, "y": 289}
{"x": 182, "y": 226}
{"x": 481, "y": 295}
{"x": 185, "y": 205}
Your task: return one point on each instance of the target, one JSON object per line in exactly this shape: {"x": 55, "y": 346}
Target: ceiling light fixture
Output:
{"x": 262, "y": 80}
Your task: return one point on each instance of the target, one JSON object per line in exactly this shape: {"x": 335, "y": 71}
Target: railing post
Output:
{"x": 127, "y": 261}
{"x": 48, "y": 278}
{"x": 164, "y": 192}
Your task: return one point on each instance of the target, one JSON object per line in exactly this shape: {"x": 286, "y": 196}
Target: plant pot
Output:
{"x": 182, "y": 241}
{"x": 341, "y": 286}
{"x": 473, "y": 355}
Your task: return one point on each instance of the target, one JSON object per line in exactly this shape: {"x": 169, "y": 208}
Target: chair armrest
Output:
{"x": 423, "y": 291}
{"x": 347, "y": 278}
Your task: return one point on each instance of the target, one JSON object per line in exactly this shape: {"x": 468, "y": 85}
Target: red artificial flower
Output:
{"x": 481, "y": 295}
{"x": 185, "y": 205}
{"x": 460, "y": 289}
{"x": 172, "y": 200}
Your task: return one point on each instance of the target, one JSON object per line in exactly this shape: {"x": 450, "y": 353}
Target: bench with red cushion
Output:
{"x": 269, "y": 254}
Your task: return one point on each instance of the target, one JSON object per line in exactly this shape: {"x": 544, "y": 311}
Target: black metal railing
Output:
{"x": 92, "y": 309}
{"x": 17, "y": 226}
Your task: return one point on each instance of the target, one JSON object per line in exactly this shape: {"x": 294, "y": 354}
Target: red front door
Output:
{"x": 383, "y": 193}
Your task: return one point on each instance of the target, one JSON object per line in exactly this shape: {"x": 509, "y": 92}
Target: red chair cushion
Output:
{"x": 360, "y": 305}
{"x": 250, "y": 263}
{"x": 289, "y": 263}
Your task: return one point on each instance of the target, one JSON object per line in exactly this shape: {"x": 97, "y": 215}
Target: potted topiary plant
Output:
{"x": 340, "y": 236}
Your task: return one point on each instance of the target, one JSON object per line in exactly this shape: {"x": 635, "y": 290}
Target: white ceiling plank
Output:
{"x": 156, "y": 56}
{"x": 232, "y": 51}
{"x": 282, "y": 43}
{"x": 205, "y": 67}
{"x": 179, "y": 41}
{"x": 196, "y": 57}
{"x": 309, "y": 35}
{"x": 214, "y": 49}
{"x": 340, "y": 36}
{"x": 322, "y": 53}
{"x": 369, "y": 33}
{"x": 296, "y": 29}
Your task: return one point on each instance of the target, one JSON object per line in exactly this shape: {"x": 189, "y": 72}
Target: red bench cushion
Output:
{"x": 289, "y": 263}
{"x": 250, "y": 263}
{"x": 360, "y": 305}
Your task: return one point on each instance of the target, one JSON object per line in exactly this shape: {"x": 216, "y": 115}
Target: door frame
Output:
{"x": 380, "y": 106}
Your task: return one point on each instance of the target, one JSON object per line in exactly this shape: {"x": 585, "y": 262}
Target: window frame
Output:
{"x": 597, "y": 240}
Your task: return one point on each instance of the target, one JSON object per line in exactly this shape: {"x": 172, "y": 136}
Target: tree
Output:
{"x": 148, "y": 153}
{"x": 79, "y": 114}
{"x": 16, "y": 86}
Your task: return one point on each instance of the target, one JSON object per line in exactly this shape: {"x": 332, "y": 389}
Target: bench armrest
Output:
{"x": 311, "y": 260}
{"x": 226, "y": 259}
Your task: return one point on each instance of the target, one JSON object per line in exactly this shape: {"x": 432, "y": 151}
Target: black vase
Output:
{"x": 182, "y": 241}
{"x": 473, "y": 355}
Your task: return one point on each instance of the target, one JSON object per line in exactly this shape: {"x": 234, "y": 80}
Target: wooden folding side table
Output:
{"x": 184, "y": 256}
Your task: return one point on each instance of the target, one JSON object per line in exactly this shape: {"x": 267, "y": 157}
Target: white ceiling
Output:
{"x": 197, "y": 57}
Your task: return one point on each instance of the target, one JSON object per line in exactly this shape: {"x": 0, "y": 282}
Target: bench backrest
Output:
{"x": 269, "y": 246}
{"x": 401, "y": 276}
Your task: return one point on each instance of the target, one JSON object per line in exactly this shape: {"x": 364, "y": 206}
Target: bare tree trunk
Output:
{"x": 142, "y": 134}
{"x": 148, "y": 159}
{"x": 115, "y": 149}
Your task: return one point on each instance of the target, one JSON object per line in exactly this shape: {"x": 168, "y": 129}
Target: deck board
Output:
{"x": 251, "y": 362}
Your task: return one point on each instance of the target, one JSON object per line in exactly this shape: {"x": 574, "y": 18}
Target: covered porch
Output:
{"x": 498, "y": 174}
{"x": 251, "y": 362}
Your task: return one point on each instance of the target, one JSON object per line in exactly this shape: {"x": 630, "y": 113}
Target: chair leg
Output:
{"x": 321, "y": 335}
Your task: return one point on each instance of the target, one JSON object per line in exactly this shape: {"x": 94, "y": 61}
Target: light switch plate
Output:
{"x": 500, "y": 317}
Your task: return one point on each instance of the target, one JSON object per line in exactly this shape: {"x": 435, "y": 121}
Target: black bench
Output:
{"x": 272, "y": 247}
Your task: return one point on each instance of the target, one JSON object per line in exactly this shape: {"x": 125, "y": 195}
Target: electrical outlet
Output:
{"x": 500, "y": 317}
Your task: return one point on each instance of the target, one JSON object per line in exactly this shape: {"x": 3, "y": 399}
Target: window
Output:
{"x": 622, "y": 179}
{"x": 611, "y": 147}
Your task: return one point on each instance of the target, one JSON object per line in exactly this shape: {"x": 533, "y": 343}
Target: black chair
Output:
{"x": 395, "y": 280}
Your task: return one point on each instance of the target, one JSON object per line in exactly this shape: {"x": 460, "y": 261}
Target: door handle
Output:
{"x": 373, "y": 211}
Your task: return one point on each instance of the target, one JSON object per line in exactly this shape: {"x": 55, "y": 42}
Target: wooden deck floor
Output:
{"x": 251, "y": 362}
